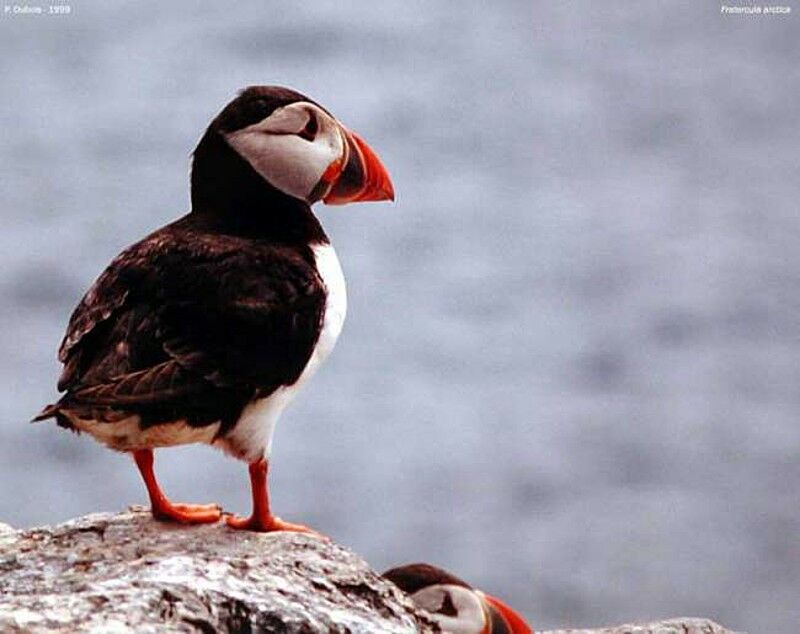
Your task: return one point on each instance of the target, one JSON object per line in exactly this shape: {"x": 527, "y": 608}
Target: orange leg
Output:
{"x": 162, "y": 508}
{"x": 262, "y": 519}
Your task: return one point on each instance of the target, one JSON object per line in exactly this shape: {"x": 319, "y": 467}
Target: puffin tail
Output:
{"x": 49, "y": 411}
{"x": 54, "y": 411}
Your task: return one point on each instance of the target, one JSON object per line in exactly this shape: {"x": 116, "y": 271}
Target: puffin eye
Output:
{"x": 309, "y": 133}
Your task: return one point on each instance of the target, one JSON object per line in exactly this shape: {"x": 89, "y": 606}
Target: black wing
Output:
{"x": 191, "y": 324}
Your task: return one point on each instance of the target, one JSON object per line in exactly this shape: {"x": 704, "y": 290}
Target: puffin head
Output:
{"x": 294, "y": 145}
{"x": 457, "y": 607}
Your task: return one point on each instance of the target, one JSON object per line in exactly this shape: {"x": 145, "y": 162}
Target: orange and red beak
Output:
{"x": 358, "y": 176}
{"x": 501, "y": 618}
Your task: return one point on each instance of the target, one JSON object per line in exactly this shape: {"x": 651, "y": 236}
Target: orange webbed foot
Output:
{"x": 267, "y": 525}
{"x": 262, "y": 520}
{"x": 187, "y": 513}
{"x": 160, "y": 505}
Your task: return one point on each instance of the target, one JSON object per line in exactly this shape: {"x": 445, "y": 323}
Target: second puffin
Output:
{"x": 203, "y": 331}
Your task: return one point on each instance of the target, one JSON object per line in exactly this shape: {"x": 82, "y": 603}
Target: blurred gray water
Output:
{"x": 570, "y": 371}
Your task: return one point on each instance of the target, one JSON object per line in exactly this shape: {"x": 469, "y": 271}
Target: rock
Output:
{"x": 671, "y": 626}
{"x": 128, "y": 573}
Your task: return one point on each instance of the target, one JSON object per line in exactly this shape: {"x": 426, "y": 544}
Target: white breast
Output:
{"x": 335, "y": 305}
{"x": 251, "y": 438}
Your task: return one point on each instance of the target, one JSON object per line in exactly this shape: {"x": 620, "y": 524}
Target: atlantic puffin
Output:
{"x": 453, "y": 604}
{"x": 204, "y": 331}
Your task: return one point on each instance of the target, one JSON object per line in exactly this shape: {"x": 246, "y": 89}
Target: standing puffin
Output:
{"x": 453, "y": 604}
{"x": 203, "y": 331}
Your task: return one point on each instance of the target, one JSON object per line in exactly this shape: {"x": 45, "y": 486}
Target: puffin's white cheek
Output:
{"x": 286, "y": 161}
{"x": 456, "y": 609}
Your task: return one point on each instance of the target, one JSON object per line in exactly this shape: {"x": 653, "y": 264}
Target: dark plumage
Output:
{"x": 412, "y": 578}
{"x": 190, "y": 323}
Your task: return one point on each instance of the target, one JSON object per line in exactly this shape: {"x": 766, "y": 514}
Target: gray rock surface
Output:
{"x": 671, "y": 626}
{"x": 127, "y": 573}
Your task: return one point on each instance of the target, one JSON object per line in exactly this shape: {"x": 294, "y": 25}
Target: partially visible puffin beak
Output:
{"x": 358, "y": 176}
{"x": 502, "y": 619}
